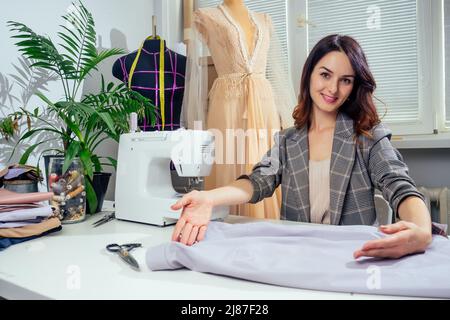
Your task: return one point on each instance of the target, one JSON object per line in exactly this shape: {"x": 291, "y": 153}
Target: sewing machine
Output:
{"x": 144, "y": 191}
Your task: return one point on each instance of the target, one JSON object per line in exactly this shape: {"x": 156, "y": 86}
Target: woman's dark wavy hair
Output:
{"x": 360, "y": 106}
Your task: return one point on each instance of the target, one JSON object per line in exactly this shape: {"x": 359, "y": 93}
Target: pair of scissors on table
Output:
{"x": 107, "y": 217}
{"x": 124, "y": 253}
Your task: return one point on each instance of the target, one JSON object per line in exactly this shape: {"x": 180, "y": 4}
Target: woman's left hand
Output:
{"x": 404, "y": 238}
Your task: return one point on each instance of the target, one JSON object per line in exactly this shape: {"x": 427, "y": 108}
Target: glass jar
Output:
{"x": 69, "y": 190}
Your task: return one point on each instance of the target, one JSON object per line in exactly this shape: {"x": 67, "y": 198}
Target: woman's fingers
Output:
{"x": 392, "y": 253}
{"x": 178, "y": 228}
{"x": 186, "y": 233}
{"x": 201, "y": 233}
{"x": 388, "y": 247}
{"x": 184, "y": 201}
{"x": 388, "y": 242}
{"x": 191, "y": 224}
{"x": 193, "y": 236}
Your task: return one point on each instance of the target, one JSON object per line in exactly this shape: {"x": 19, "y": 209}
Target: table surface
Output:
{"x": 74, "y": 264}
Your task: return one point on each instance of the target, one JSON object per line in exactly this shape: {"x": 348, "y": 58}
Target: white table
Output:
{"x": 74, "y": 264}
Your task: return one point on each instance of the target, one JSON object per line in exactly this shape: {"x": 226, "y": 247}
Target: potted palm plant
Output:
{"x": 79, "y": 125}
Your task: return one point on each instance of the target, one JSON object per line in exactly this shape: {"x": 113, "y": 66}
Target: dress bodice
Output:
{"x": 227, "y": 43}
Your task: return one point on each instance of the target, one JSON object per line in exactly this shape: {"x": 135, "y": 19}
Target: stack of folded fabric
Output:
{"x": 23, "y": 217}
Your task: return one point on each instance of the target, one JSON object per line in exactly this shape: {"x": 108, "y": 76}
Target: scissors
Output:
{"x": 124, "y": 253}
{"x": 107, "y": 217}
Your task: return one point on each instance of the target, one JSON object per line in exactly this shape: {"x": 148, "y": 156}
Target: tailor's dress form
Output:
{"x": 240, "y": 98}
{"x": 145, "y": 80}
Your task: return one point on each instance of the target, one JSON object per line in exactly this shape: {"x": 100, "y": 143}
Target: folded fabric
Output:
{"x": 18, "y": 224}
{"x": 12, "y": 207}
{"x": 30, "y": 230}
{"x": 15, "y": 172}
{"x": 309, "y": 257}
{"x": 6, "y": 242}
{"x": 10, "y": 197}
{"x": 26, "y": 214}
{"x": 20, "y": 172}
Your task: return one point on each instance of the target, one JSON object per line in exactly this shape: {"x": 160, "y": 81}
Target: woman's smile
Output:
{"x": 329, "y": 99}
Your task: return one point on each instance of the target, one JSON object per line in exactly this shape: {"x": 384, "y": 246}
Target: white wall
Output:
{"x": 121, "y": 24}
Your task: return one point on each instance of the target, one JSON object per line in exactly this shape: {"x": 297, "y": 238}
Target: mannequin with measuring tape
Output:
{"x": 157, "y": 73}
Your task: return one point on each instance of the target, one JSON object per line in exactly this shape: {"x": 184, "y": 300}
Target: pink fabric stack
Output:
{"x": 25, "y": 215}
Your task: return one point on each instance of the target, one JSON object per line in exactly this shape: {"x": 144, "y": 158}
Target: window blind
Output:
{"x": 387, "y": 32}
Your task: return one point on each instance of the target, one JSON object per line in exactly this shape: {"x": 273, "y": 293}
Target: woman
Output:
{"x": 329, "y": 163}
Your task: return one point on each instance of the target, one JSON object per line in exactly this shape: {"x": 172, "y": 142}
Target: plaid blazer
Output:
{"x": 356, "y": 169}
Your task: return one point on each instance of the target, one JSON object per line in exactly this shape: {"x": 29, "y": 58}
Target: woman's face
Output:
{"x": 331, "y": 82}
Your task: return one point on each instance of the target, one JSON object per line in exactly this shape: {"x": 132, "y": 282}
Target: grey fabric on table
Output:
{"x": 310, "y": 257}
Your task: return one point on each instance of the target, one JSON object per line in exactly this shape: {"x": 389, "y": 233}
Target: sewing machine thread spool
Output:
{"x": 58, "y": 198}
{"x": 56, "y": 188}
{"x": 53, "y": 178}
{"x": 75, "y": 192}
{"x": 133, "y": 122}
{"x": 74, "y": 183}
{"x": 73, "y": 175}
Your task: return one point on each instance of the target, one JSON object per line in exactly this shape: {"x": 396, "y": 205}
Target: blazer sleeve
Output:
{"x": 388, "y": 172}
{"x": 266, "y": 175}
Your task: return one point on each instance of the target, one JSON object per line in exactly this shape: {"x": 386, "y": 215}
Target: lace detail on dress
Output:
{"x": 242, "y": 44}
{"x": 260, "y": 35}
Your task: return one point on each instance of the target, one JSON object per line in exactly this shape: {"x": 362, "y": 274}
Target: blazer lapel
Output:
{"x": 342, "y": 161}
{"x": 298, "y": 158}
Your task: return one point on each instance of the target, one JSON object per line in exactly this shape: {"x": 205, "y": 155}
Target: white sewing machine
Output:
{"x": 144, "y": 191}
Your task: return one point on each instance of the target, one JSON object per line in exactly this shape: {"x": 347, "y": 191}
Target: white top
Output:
{"x": 319, "y": 191}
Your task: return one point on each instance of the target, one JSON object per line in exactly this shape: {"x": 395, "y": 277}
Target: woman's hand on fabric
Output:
{"x": 403, "y": 238}
{"x": 193, "y": 221}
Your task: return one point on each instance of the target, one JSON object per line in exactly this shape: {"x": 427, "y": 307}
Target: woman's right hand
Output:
{"x": 196, "y": 214}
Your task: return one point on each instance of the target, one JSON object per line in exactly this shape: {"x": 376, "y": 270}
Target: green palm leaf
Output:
{"x": 92, "y": 64}
{"x": 80, "y": 42}
{"x": 40, "y": 49}
{"x": 71, "y": 153}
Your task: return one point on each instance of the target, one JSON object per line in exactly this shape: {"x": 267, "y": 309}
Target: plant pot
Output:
{"x": 100, "y": 185}
{"x": 21, "y": 186}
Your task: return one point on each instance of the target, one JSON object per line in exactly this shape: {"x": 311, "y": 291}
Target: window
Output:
{"x": 403, "y": 41}
{"x": 395, "y": 36}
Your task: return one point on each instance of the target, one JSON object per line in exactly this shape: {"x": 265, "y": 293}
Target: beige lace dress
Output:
{"x": 241, "y": 102}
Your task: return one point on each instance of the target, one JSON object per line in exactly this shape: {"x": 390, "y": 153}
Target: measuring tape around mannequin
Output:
{"x": 161, "y": 74}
